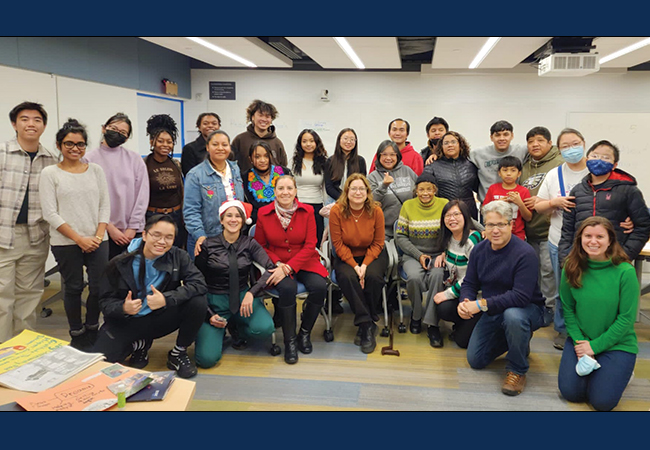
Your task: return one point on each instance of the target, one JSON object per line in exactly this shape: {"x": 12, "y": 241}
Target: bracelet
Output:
{"x": 100, "y": 238}
{"x": 478, "y": 305}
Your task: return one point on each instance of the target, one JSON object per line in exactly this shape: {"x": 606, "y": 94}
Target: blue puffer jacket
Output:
{"x": 204, "y": 193}
{"x": 616, "y": 199}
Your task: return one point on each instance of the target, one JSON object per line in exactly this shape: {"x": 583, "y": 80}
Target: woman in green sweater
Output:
{"x": 600, "y": 293}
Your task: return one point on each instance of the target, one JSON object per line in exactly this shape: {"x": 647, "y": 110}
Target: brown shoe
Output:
{"x": 513, "y": 384}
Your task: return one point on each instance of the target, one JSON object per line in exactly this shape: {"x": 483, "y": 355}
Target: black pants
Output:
{"x": 71, "y": 261}
{"x": 315, "y": 284}
{"x": 462, "y": 328}
{"x": 320, "y": 221}
{"x": 117, "y": 335}
{"x": 365, "y": 303}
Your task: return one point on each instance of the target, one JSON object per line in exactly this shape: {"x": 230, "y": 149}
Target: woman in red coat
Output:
{"x": 286, "y": 229}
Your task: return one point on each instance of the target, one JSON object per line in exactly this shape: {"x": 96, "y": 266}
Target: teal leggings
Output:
{"x": 209, "y": 341}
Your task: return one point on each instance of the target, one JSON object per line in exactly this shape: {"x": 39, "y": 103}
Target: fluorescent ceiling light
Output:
{"x": 487, "y": 48}
{"x": 217, "y": 49}
{"x": 343, "y": 43}
{"x": 624, "y": 51}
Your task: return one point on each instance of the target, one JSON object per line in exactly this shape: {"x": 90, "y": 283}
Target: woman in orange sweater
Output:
{"x": 357, "y": 231}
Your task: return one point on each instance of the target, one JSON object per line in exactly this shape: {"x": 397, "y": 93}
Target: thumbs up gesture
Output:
{"x": 156, "y": 300}
{"x": 131, "y": 306}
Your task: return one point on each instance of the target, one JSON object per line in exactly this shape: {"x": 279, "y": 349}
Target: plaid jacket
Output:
{"x": 16, "y": 173}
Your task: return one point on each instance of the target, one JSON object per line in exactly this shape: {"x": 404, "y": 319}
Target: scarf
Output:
{"x": 285, "y": 215}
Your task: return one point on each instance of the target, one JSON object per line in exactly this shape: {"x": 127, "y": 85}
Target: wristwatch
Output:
{"x": 482, "y": 304}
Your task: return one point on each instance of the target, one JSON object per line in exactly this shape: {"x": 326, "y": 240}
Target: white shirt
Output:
{"x": 226, "y": 181}
{"x": 550, "y": 189}
{"x": 310, "y": 186}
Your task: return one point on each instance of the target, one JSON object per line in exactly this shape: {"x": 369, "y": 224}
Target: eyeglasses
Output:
{"x": 603, "y": 157}
{"x": 455, "y": 215}
{"x": 447, "y": 143}
{"x": 389, "y": 155}
{"x": 350, "y": 140}
{"x": 357, "y": 189}
{"x": 70, "y": 145}
{"x": 158, "y": 236}
{"x": 425, "y": 191}
{"x": 500, "y": 225}
{"x": 122, "y": 132}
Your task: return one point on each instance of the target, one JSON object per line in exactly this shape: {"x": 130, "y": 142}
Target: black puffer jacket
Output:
{"x": 455, "y": 179}
{"x": 616, "y": 199}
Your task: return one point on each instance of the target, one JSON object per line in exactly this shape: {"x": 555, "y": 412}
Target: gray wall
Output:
{"x": 119, "y": 61}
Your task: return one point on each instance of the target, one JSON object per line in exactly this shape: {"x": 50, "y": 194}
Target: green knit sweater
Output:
{"x": 418, "y": 227}
{"x": 604, "y": 309}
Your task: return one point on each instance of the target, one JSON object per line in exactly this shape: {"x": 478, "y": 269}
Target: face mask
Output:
{"x": 586, "y": 365}
{"x": 114, "y": 139}
{"x": 599, "y": 167}
{"x": 573, "y": 155}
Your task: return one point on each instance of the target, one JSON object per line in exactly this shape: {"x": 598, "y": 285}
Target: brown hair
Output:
{"x": 344, "y": 203}
{"x": 576, "y": 263}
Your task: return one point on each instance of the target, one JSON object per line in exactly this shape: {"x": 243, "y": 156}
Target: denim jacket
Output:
{"x": 204, "y": 193}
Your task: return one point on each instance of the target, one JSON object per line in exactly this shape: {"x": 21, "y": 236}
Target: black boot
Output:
{"x": 309, "y": 316}
{"x": 288, "y": 317}
{"x": 368, "y": 342}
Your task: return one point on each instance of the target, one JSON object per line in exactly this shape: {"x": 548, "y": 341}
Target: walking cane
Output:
{"x": 389, "y": 349}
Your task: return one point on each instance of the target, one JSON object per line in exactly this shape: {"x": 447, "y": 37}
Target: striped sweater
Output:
{"x": 418, "y": 227}
{"x": 456, "y": 259}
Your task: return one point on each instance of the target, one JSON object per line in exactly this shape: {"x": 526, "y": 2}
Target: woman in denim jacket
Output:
{"x": 207, "y": 186}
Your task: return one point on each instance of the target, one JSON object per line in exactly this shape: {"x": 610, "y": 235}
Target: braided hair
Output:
{"x": 159, "y": 123}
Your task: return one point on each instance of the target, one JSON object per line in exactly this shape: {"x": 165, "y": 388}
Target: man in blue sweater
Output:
{"x": 504, "y": 269}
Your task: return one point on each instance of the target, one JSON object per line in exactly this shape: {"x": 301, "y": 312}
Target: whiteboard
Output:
{"x": 630, "y": 132}
{"x": 149, "y": 105}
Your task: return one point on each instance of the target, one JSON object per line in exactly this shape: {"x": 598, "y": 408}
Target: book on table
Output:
{"x": 157, "y": 389}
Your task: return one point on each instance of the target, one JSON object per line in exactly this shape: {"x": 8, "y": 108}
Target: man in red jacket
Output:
{"x": 398, "y": 131}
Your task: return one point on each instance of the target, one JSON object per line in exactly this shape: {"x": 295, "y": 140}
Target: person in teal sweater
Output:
{"x": 600, "y": 293}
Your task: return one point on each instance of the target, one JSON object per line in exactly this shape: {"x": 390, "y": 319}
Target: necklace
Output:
{"x": 356, "y": 218}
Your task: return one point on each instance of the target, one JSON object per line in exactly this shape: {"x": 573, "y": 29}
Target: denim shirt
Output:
{"x": 204, "y": 193}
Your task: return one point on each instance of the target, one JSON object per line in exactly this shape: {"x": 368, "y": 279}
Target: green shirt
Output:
{"x": 604, "y": 309}
{"x": 418, "y": 227}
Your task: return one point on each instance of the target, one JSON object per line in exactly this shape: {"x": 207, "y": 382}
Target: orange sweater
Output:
{"x": 351, "y": 238}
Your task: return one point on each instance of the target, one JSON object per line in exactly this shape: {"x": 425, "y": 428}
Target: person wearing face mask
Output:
{"x": 611, "y": 193}
{"x": 128, "y": 183}
{"x": 165, "y": 175}
{"x": 195, "y": 152}
{"x": 392, "y": 183}
{"x": 435, "y": 129}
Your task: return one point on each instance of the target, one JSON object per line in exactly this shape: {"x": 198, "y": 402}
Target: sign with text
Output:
{"x": 222, "y": 90}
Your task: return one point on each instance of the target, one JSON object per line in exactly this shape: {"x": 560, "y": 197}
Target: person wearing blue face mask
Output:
{"x": 554, "y": 199}
{"x": 611, "y": 193}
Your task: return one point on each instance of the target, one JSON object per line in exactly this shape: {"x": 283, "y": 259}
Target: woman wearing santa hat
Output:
{"x": 286, "y": 229}
{"x": 226, "y": 261}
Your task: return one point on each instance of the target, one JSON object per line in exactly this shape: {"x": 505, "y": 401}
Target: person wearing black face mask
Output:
{"x": 611, "y": 193}
{"x": 435, "y": 129}
{"x": 128, "y": 183}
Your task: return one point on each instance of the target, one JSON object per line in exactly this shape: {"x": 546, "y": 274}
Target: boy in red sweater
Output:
{"x": 508, "y": 190}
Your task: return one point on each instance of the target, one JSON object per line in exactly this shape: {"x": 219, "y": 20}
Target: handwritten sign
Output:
{"x": 26, "y": 347}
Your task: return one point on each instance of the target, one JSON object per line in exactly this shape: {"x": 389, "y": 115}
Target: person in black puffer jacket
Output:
{"x": 611, "y": 193}
{"x": 456, "y": 176}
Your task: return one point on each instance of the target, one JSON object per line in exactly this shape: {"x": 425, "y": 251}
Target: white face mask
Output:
{"x": 586, "y": 365}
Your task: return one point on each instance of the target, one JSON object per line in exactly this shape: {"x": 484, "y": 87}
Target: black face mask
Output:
{"x": 114, "y": 139}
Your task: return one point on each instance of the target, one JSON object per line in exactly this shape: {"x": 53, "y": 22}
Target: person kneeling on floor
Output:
{"x": 505, "y": 269}
{"x": 149, "y": 292}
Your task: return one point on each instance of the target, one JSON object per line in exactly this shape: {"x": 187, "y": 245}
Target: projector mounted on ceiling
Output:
{"x": 568, "y": 65}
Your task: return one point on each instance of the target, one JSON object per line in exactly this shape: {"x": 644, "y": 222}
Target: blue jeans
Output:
{"x": 509, "y": 331}
{"x": 558, "y": 321}
{"x": 602, "y": 388}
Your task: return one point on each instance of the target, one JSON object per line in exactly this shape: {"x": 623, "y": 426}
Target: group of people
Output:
{"x": 499, "y": 240}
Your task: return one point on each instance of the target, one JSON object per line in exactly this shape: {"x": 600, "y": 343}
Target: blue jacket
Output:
{"x": 204, "y": 193}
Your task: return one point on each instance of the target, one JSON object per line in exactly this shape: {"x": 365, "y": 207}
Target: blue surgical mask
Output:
{"x": 586, "y": 364}
{"x": 573, "y": 155}
{"x": 599, "y": 167}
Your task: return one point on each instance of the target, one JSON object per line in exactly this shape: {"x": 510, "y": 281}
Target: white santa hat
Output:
{"x": 245, "y": 208}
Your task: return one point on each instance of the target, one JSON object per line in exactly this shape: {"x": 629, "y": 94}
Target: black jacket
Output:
{"x": 455, "y": 179}
{"x": 333, "y": 188}
{"x": 193, "y": 154}
{"x": 182, "y": 282}
{"x": 615, "y": 199}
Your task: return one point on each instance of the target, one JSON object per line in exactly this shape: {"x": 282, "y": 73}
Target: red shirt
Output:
{"x": 497, "y": 192}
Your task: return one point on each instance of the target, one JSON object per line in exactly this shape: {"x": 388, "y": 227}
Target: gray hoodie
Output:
{"x": 395, "y": 194}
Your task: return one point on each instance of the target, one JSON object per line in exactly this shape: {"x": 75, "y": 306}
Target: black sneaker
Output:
{"x": 435, "y": 339}
{"x": 182, "y": 364}
{"x": 139, "y": 359}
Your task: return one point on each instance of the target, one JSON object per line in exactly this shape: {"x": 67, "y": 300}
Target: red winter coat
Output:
{"x": 296, "y": 245}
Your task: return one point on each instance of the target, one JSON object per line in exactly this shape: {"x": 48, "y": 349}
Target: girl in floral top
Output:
{"x": 260, "y": 179}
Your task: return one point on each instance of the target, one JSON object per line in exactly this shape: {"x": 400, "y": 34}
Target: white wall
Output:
{"x": 368, "y": 101}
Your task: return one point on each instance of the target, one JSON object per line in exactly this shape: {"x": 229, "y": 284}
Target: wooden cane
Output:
{"x": 389, "y": 350}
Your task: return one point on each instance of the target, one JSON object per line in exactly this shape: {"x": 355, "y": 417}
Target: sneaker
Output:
{"x": 549, "y": 315}
{"x": 435, "y": 339}
{"x": 80, "y": 342}
{"x": 513, "y": 384}
{"x": 182, "y": 364}
{"x": 559, "y": 341}
{"x": 139, "y": 359}
{"x": 415, "y": 326}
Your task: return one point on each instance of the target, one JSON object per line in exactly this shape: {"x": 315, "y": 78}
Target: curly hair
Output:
{"x": 462, "y": 142}
{"x": 344, "y": 203}
{"x": 263, "y": 107}
{"x": 159, "y": 123}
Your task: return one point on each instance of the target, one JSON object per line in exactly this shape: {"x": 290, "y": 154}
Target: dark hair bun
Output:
{"x": 161, "y": 122}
